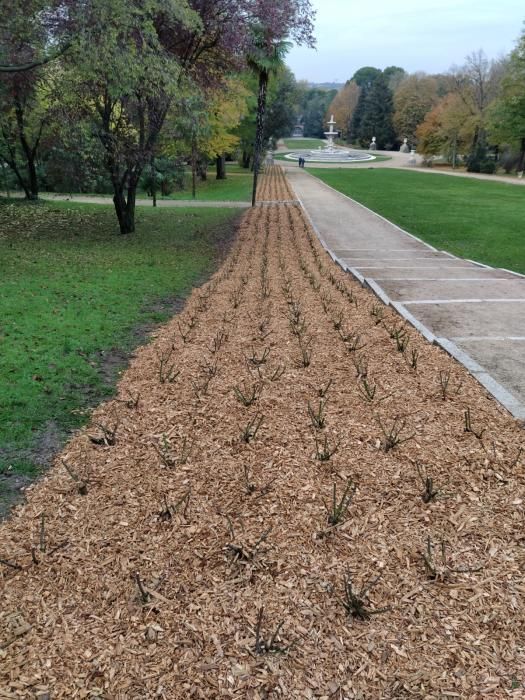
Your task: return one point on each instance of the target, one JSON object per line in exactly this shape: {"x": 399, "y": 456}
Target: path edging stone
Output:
{"x": 378, "y": 290}
{"x": 494, "y": 388}
{"x": 403, "y": 311}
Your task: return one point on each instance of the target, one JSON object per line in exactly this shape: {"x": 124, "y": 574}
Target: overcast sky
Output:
{"x": 429, "y": 35}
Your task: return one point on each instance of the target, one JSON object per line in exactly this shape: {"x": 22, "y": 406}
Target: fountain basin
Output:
{"x": 330, "y": 155}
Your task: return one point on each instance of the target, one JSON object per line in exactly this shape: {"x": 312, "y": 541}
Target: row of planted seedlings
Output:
{"x": 393, "y": 429}
{"x": 274, "y": 185}
{"x": 290, "y": 379}
{"x": 310, "y": 390}
{"x": 330, "y": 448}
{"x": 255, "y": 484}
{"x": 205, "y": 387}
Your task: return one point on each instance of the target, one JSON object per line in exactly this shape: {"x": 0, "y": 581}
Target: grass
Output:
{"x": 300, "y": 144}
{"x": 470, "y": 218}
{"x": 75, "y": 297}
{"x": 236, "y": 188}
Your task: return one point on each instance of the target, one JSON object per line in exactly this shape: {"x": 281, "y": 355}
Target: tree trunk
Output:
{"x": 125, "y": 208}
{"x": 221, "y": 167}
{"x": 259, "y": 134}
{"x": 33, "y": 178}
{"x": 521, "y": 162}
{"x": 31, "y": 189}
{"x": 193, "y": 171}
{"x": 202, "y": 169}
{"x": 21, "y": 181}
{"x": 153, "y": 181}
{"x": 246, "y": 160}
{"x": 6, "y": 181}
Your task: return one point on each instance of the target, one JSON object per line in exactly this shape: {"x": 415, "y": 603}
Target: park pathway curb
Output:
{"x": 346, "y": 223}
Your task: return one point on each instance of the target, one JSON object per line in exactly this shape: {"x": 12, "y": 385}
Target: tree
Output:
{"x": 127, "y": 78}
{"x": 376, "y": 120}
{"x": 264, "y": 58}
{"x": 447, "y": 129}
{"x": 23, "y": 119}
{"x": 506, "y": 118}
{"x": 24, "y": 34}
{"x": 343, "y": 106}
{"x": 282, "y": 106}
{"x": 414, "y": 98}
{"x": 394, "y": 76}
{"x": 315, "y": 105}
{"x": 477, "y": 83}
{"x": 366, "y": 76}
{"x": 354, "y": 128}
{"x": 272, "y": 24}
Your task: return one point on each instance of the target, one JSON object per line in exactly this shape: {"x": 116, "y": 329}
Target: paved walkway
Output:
{"x": 476, "y": 313}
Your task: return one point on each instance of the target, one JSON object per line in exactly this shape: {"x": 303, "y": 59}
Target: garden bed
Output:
{"x": 293, "y": 495}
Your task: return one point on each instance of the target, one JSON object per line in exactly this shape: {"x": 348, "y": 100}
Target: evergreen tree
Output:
{"x": 376, "y": 119}
{"x": 354, "y": 128}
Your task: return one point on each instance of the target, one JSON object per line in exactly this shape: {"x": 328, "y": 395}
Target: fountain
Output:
{"x": 331, "y": 153}
{"x": 330, "y": 136}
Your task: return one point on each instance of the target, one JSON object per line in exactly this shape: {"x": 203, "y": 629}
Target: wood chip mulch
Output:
{"x": 356, "y": 531}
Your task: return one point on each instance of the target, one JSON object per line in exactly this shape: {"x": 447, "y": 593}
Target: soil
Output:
{"x": 356, "y": 531}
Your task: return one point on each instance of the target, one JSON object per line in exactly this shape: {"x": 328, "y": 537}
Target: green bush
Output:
{"x": 488, "y": 167}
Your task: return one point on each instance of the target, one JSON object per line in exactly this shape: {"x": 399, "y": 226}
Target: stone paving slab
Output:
{"x": 475, "y": 320}
{"x": 495, "y": 288}
{"x": 508, "y": 365}
{"x": 445, "y": 273}
{"x": 476, "y": 313}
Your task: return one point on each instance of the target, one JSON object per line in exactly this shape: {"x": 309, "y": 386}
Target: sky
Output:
{"x": 427, "y": 35}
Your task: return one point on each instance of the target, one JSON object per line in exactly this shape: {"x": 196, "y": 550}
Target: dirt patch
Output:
{"x": 45, "y": 446}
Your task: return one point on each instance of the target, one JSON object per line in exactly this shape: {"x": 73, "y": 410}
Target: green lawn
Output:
{"x": 299, "y": 144}
{"x": 474, "y": 219}
{"x": 236, "y": 188}
{"x": 75, "y": 297}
